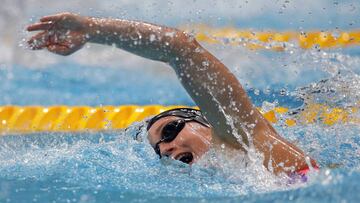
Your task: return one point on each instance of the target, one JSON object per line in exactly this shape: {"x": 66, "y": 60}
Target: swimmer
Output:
{"x": 227, "y": 115}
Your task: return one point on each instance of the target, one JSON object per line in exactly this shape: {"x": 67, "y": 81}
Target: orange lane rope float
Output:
{"x": 275, "y": 40}
{"x": 27, "y": 119}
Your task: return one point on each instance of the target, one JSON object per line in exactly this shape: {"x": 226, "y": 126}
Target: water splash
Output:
{"x": 342, "y": 90}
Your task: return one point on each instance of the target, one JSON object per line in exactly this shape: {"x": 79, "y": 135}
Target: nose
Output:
{"x": 167, "y": 149}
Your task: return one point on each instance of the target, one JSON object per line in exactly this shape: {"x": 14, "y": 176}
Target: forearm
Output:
{"x": 143, "y": 39}
{"x": 218, "y": 93}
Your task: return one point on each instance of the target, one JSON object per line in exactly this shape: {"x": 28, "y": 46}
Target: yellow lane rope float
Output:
{"x": 27, "y": 119}
{"x": 274, "y": 40}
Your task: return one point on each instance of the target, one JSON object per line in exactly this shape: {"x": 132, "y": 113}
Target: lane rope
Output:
{"x": 273, "y": 40}
{"x": 27, "y": 119}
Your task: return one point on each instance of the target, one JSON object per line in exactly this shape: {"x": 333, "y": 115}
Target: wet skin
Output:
{"x": 194, "y": 138}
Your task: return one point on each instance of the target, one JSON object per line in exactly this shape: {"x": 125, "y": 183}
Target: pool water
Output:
{"x": 112, "y": 166}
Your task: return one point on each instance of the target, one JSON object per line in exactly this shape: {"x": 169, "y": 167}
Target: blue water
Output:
{"x": 113, "y": 167}
{"x": 95, "y": 86}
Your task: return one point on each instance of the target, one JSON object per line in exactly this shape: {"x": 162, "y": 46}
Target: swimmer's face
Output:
{"x": 194, "y": 138}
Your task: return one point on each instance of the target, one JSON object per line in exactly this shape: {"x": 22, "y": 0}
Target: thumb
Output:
{"x": 60, "y": 49}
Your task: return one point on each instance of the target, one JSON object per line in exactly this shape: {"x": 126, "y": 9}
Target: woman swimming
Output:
{"x": 228, "y": 117}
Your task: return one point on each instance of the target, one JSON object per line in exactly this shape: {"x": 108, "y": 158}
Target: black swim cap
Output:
{"x": 182, "y": 113}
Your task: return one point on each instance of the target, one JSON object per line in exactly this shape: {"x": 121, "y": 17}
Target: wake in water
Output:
{"x": 116, "y": 161}
{"x": 341, "y": 89}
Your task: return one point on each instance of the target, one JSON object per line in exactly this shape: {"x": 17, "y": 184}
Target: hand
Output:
{"x": 63, "y": 33}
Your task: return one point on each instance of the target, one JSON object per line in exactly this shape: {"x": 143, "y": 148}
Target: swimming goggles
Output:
{"x": 190, "y": 113}
{"x": 171, "y": 130}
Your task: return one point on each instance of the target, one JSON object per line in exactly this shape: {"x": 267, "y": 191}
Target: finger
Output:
{"x": 38, "y": 41}
{"x": 40, "y": 26}
{"x": 54, "y": 18}
{"x": 37, "y": 37}
{"x": 60, "y": 49}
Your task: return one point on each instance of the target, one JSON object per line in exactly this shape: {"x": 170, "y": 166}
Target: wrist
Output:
{"x": 92, "y": 29}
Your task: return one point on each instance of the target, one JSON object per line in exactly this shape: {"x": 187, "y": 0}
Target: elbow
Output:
{"x": 184, "y": 44}
{"x": 175, "y": 44}
{"x": 185, "y": 37}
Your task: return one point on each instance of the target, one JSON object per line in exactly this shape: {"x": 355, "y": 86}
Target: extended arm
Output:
{"x": 212, "y": 86}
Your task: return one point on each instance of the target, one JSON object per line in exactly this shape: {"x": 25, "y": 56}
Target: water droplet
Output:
{"x": 267, "y": 106}
{"x": 152, "y": 37}
{"x": 170, "y": 34}
{"x": 205, "y": 63}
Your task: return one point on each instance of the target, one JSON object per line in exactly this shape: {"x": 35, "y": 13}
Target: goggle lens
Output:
{"x": 172, "y": 129}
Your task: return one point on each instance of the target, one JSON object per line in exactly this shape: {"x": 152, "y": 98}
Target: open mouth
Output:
{"x": 185, "y": 157}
